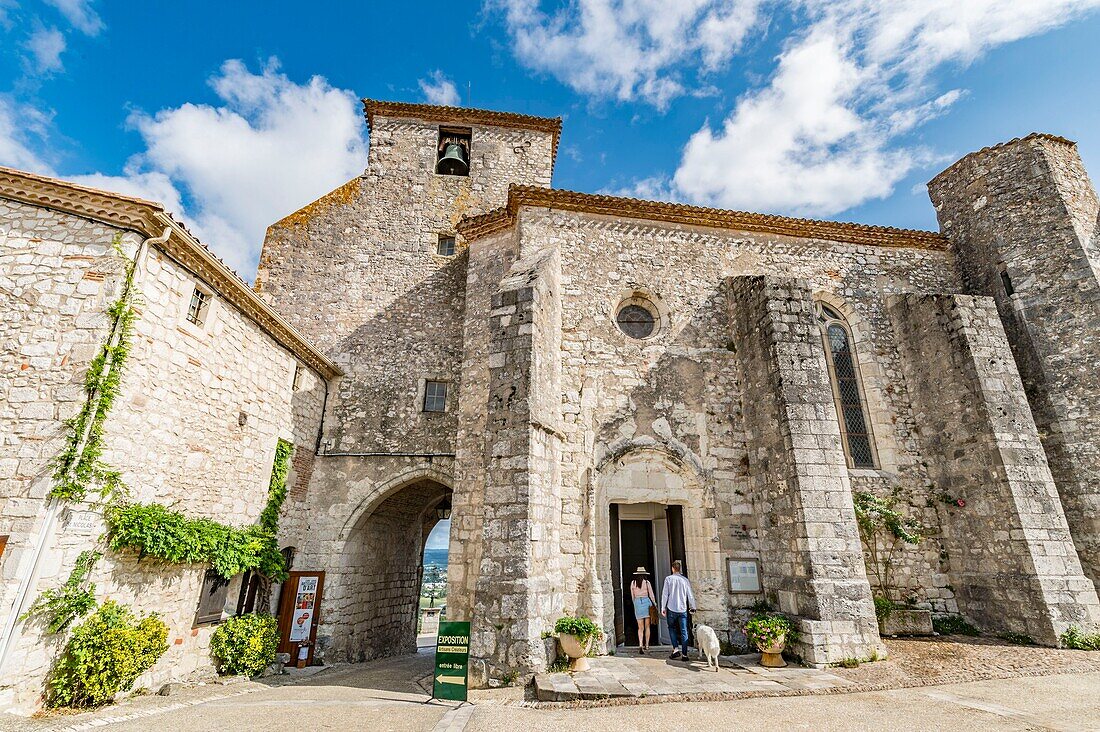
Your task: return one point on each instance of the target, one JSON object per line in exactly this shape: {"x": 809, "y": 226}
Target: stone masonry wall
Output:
{"x": 1027, "y": 208}
{"x": 680, "y": 393}
{"x": 519, "y": 582}
{"x": 812, "y": 559}
{"x": 175, "y": 433}
{"x": 58, "y": 274}
{"x": 1012, "y": 560}
{"x": 357, "y": 271}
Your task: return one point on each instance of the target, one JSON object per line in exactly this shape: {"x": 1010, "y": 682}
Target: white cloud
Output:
{"x": 22, "y": 130}
{"x": 80, "y": 14}
{"x": 438, "y": 89}
{"x": 825, "y": 133}
{"x": 46, "y": 46}
{"x": 798, "y": 145}
{"x": 269, "y": 147}
{"x": 628, "y": 49}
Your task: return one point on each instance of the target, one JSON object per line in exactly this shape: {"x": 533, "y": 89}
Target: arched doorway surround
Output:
{"x": 639, "y": 481}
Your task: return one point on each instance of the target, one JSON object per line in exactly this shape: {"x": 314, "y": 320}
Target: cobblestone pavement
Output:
{"x": 628, "y": 674}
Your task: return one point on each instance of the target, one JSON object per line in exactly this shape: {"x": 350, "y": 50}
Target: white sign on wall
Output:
{"x": 301, "y": 622}
{"x": 744, "y": 575}
{"x": 83, "y": 522}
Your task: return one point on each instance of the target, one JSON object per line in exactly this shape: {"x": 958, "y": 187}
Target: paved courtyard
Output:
{"x": 628, "y": 674}
{"x": 1023, "y": 689}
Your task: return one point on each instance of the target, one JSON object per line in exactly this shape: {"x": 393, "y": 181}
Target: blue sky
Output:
{"x": 235, "y": 114}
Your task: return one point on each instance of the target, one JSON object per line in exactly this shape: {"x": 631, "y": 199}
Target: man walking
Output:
{"x": 676, "y": 599}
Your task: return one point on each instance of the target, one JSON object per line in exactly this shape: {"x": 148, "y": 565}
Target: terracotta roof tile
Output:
{"x": 477, "y": 226}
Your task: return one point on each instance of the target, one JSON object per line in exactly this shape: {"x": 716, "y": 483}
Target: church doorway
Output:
{"x": 648, "y": 535}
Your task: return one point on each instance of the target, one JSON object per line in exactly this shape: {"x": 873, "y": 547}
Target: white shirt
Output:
{"x": 676, "y": 595}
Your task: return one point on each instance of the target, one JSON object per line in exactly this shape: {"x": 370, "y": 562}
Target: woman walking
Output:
{"x": 641, "y": 592}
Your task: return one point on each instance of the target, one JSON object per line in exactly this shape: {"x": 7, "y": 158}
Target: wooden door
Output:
{"x": 678, "y": 547}
{"x": 299, "y": 615}
{"x": 616, "y": 574}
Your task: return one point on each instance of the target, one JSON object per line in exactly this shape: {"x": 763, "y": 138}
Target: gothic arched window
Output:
{"x": 855, "y": 431}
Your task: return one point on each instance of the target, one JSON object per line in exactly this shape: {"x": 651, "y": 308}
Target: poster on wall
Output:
{"x": 299, "y": 614}
{"x": 305, "y": 599}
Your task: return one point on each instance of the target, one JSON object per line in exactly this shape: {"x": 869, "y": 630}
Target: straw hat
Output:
{"x": 640, "y": 570}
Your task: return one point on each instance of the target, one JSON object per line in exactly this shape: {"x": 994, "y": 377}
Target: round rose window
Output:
{"x": 637, "y": 318}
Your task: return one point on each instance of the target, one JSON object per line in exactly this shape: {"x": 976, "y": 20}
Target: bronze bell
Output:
{"x": 453, "y": 161}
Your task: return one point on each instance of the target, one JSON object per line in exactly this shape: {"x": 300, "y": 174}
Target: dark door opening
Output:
{"x": 639, "y": 541}
{"x": 636, "y": 541}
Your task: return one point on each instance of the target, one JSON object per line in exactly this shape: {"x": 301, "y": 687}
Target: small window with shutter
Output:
{"x": 215, "y": 589}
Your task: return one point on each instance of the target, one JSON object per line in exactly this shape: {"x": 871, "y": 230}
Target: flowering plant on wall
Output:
{"x": 882, "y": 526}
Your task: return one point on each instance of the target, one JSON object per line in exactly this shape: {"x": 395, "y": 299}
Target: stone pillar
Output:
{"x": 519, "y": 585}
{"x": 1011, "y": 558}
{"x": 1023, "y": 220}
{"x": 811, "y": 557}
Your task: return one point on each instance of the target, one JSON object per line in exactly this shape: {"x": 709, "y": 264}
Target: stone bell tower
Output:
{"x": 1022, "y": 218}
{"x": 377, "y": 275}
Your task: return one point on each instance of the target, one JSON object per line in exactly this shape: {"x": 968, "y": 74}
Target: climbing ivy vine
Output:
{"x": 154, "y": 530}
{"x": 60, "y": 606}
{"x": 80, "y": 465}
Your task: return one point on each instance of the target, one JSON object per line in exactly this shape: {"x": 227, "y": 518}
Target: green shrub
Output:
{"x": 765, "y": 629}
{"x": 953, "y": 625}
{"x": 1078, "y": 641}
{"x": 1017, "y": 639}
{"x": 884, "y": 608}
{"x": 245, "y": 644}
{"x": 105, "y": 654}
{"x": 581, "y": 627}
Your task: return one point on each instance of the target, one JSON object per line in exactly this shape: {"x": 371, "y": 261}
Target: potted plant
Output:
{"x": 575, "y": 634}
{"x": 769, "y": 632}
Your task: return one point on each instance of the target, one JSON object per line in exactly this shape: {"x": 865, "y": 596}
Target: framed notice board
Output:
{"x": 743, "y": 575}
{"x": 452, "y": 661}
{"x": 299, "y": 615}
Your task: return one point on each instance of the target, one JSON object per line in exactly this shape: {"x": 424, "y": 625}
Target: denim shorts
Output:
{"x": 641, "y": 607}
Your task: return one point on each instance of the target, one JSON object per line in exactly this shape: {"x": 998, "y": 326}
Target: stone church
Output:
{"x": 594, "y": 383}
{"x": 584, "y": 384}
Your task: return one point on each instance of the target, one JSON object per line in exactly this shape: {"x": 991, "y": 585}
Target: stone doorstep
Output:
{"x": 626, "y": 676}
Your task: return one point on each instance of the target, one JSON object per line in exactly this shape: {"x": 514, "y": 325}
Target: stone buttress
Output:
{"x": 798, "y": 475}
{"x": 1012, "y": 560}
{"x": 519, "y": 584}
{"x": 1023, "y": 218}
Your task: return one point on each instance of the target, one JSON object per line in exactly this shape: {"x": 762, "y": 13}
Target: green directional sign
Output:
{"x": 452, "y": 661}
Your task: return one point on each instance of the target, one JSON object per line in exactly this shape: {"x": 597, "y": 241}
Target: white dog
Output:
{"x": 707, "y": 641}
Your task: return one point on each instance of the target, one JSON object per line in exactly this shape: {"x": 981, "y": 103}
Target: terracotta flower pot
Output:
{"x": 772, "y": 656}
{"x": 576, "y": 650}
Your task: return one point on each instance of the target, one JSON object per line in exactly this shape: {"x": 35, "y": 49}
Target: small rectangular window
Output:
{"x": 1006, "y": 282}
{"x": 446, "y": 246}
{"x": 212, "y": 599}
{"x": 297, "y": 383}
{"x": 435, "y": 396}
{"x": 200, "y": 303}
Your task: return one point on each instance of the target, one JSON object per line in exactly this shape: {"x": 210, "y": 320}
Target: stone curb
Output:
{"x": 580, "y": 702}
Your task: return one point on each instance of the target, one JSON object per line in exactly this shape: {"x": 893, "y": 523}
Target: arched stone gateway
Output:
{"x": 374, "y": 594}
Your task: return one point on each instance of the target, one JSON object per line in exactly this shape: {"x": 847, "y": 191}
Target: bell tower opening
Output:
{"x": 453, "y": 151}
